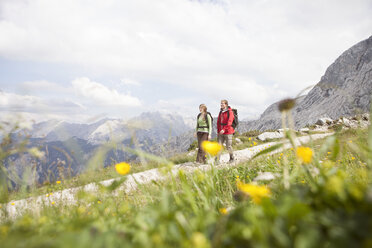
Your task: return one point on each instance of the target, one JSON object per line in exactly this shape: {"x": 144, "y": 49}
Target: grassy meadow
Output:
{"x": 321, "y": 197}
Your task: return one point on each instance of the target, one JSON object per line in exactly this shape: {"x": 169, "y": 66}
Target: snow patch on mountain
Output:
{"x": 109, "y": 130}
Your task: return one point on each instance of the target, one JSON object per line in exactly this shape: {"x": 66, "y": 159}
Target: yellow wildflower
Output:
{"x": 53, "y": 202}
{"x": 122, "y": 168}
{"x": 58, "y": 182}
{"x": 99, "y": 202}
{"x": 329, "y": 152}
{"x": 254, "y": 191}
{"x": 47, "y": 195}
{"x": 305, "y": 154}
{"x": 250, "y": 139}
{"x": 254, "y": 143}
{"x": 212, "y": 148}
{"x": 12, "y": 203}
{"x": 278, "y": 161}
{"x": 51, "y": 194}
{"x": 352, "y": 158}
{"x": 350, "y": 141}
{"x": 223, "y": 211}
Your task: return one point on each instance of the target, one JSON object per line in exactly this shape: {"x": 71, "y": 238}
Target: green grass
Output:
{"x": 249, "y": 139}
{"x": 329, "y": 209}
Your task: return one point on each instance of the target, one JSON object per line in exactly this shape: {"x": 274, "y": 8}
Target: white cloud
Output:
{"x": 128, "y": 81}
{"x": 11, "y": 102}
{"x": 252, "y": 52}
{"x": 78, "y": 101}
{"x": 101, "y": 95}
{"x": 15, "y": 102}
{"x": 43, "y": 87}
{"x": 181, "y": 106}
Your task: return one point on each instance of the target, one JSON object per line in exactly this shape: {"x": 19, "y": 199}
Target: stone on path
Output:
{"x": 270, "y": 135}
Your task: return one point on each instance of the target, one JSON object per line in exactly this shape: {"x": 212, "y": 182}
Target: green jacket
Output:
{"x": 203, "y": 125}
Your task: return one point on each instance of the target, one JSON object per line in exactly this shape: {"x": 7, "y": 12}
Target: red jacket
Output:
{"x": 225, "y": 124}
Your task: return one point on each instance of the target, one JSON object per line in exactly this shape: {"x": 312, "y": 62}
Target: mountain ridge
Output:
{"x": 344, "y": 90}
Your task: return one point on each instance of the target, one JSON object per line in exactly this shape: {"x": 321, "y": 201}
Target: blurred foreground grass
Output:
{"x": 328, "y": 204}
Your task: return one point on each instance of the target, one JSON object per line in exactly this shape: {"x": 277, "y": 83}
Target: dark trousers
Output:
{"x": 201, "y": 153}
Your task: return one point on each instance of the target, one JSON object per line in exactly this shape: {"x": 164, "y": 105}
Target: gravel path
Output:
{"x": 68, "y": 196}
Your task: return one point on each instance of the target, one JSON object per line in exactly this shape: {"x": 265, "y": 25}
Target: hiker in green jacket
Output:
{"x": 203, "y": 131}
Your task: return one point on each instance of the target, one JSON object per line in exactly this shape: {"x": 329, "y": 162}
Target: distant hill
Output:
{"x": 344, "y": 90}
{"x": 69, "y": 146}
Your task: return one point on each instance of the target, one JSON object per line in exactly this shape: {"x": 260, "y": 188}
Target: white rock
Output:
{"x": 304, "y": 130}
{"x": 320, "y": 128}
{"x": 265, "y": 176}
{"x": 238, "y": 141}
{"x": 192, "y": 153}
{"x": 365, "y": 117}
{"x": 346, "y": 122}
{"x": 324, "y": 121}
{"x": 282, "y": 130}
{"x": 270, "y": 135}
{"x": 364, "y": 124}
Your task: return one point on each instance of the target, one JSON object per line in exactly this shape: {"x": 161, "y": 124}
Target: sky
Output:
{"x": 83, "y": 60}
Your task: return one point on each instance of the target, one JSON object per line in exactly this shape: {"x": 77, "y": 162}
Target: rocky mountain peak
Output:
{"x": 344, "y": 90}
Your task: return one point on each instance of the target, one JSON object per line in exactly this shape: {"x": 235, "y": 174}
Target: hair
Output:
{"x": 204, "y": 111}
{"x": 226, "y": 102}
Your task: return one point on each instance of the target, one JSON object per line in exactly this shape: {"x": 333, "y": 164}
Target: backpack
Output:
{"x": 236, "y": 118}
{"x": 197, "y": 118}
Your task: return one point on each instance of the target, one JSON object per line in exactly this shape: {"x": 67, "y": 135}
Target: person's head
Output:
{"x": 203, "y": 108}
{"x": 224, "y": 104}
{"x": 203, "y": 111}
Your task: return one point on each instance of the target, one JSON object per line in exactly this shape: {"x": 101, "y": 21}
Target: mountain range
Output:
{"x": 344, "y": 90}
{"x": 69, "y": 146}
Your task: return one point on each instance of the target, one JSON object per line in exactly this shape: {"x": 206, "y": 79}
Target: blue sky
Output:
{"x": 81, "y": 60}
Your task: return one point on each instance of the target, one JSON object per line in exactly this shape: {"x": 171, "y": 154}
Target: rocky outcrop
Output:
{"x": 358, "y": 121}
{"x": 344, "y": 90}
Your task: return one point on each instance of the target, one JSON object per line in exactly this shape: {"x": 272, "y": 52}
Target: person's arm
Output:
{"x": 229, "y": 121}
{"x": 196, "y": 128}
{"x": 219, "y": 122}
{"x": 209, "y": 125}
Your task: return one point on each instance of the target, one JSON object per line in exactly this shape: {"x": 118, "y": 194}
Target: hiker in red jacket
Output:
{"x": 225, "y": 130}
